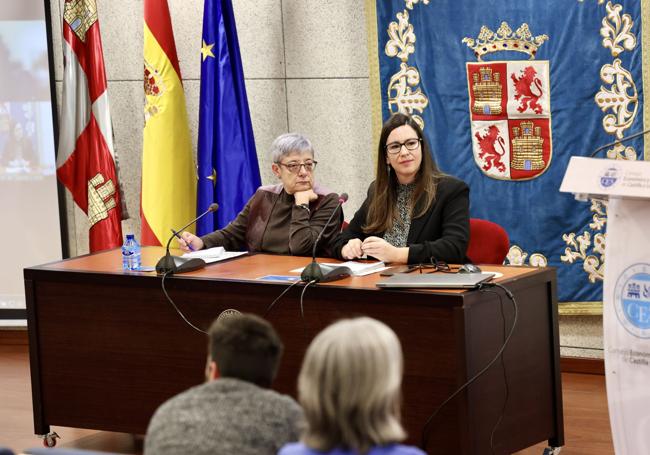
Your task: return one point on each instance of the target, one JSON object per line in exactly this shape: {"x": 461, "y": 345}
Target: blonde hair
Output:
{"x": 349, "y": 386}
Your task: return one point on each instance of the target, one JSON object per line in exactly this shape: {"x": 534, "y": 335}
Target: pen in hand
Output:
{"x": 181, "y": 238}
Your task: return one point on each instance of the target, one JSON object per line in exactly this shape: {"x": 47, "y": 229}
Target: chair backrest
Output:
{"x": 488, "y": 242}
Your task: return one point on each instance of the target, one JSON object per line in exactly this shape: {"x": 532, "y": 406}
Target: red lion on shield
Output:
{"x": 526, "y": 85}
{"x": 487, "y": 143}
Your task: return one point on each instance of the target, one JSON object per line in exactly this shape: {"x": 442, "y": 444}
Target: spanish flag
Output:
{"x": 168, "y": 171}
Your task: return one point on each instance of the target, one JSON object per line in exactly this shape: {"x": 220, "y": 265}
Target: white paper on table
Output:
{"x": 216, "y": 254}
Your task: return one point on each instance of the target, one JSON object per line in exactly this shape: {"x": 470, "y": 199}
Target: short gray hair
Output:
{"x": 288, "y": 143}
{"x": 349, "y": 386}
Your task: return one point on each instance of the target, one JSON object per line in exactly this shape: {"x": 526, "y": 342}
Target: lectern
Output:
{"x": 626, "y": 290}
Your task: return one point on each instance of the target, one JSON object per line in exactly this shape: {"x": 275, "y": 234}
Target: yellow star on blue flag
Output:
{"x": 206, "y": 50}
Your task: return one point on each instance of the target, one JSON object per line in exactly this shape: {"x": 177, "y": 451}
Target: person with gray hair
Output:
{"x": 285, "y": 218}
{"x": 349, "y": 389}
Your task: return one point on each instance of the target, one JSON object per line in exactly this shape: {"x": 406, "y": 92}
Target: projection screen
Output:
{"x": 29, "y": 204}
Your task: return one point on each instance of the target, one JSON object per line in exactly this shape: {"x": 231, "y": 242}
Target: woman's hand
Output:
{"x": 352, "y": 249}
{"x": 305, "y": 197}
{"x": 384, "y": 251}
{"x": 188, "y": 239}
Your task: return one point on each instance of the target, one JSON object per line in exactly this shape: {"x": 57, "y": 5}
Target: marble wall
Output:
{"x": 306, "y": 68}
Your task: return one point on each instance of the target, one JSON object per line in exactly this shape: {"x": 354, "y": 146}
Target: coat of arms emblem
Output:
{"x": 509, "y": 103}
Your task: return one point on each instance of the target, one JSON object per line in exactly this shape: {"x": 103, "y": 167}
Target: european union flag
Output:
{"x": 227, "y": 162}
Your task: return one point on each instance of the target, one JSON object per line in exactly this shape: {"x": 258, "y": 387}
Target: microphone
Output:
{"x": 323, "y": 273}
{"x": 620, "y": 141}
{"x": 177, "y": 264}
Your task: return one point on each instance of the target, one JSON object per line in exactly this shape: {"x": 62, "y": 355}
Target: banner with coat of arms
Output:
{"x": 507, "y": 91}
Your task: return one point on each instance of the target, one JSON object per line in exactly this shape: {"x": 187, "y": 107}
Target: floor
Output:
{"x": 586, "y": 421}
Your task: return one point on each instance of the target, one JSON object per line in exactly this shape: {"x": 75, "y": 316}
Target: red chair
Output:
{"x": 488, "y": 242}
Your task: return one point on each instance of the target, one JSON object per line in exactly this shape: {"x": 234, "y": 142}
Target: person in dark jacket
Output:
{"x": 413, "y": 212}
{"x": 284, "y": 218}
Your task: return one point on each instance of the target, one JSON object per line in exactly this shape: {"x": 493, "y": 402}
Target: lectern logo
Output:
{"x": 632, "y": 300}
{"x": 609, "y": 177}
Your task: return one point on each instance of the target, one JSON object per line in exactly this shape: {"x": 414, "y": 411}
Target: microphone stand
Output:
{"x": 323, "y": 273}
{"x": 176, "y": 264}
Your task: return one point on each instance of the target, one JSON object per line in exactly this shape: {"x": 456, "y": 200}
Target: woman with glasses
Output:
{"x": 413, "y": 213}
{"x": 285, "y": 218}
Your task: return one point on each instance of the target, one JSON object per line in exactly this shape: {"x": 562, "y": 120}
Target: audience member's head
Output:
{"x": 349, "y": 386}
{"x": 244, "y": 346}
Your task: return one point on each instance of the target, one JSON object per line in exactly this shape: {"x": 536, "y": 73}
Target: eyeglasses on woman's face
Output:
{"x": 395, "y": 147}
{"x": 294, "y": 166}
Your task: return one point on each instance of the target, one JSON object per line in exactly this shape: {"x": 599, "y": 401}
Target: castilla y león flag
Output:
{"x": 85, "y": 162}
{"x": 168, "y": 172}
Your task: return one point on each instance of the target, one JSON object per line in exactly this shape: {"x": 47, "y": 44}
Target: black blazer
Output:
{"x": 442, "y": 232}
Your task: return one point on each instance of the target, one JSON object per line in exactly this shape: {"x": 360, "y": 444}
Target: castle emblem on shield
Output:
{"x": 509, "y": 103}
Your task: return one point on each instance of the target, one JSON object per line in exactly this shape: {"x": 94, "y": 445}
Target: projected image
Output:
{"x": 26, "y": 146}
{"x": 28, "y": 189}
{"x": 23, "y": 59}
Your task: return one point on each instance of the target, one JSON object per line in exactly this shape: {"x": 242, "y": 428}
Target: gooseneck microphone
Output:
{"x": 176, "y": 264}
{"x": 619, "y": 141}
{"x": 322, "y": 273}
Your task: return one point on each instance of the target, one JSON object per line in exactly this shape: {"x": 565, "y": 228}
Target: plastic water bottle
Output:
{"x": 131, "y": 253}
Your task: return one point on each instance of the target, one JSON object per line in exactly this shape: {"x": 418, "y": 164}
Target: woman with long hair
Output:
{"x": 349, "y": 388}
{"x": 413, "y": 212}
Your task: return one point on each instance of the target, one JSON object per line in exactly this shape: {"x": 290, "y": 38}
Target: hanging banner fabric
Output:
{"x": 227, "y": 161}
{"x": 86, "y": 156}
{"x": 507, "y": 91}
{"x": 168, "y": 170}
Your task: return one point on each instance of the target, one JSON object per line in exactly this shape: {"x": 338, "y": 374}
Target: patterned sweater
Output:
{"x": 225, "y": 416}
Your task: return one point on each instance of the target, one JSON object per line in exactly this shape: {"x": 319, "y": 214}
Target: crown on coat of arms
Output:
{"x": 504, "y": 39}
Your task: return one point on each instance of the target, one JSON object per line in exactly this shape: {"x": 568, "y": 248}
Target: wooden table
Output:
{"x": 107, "y": 348}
